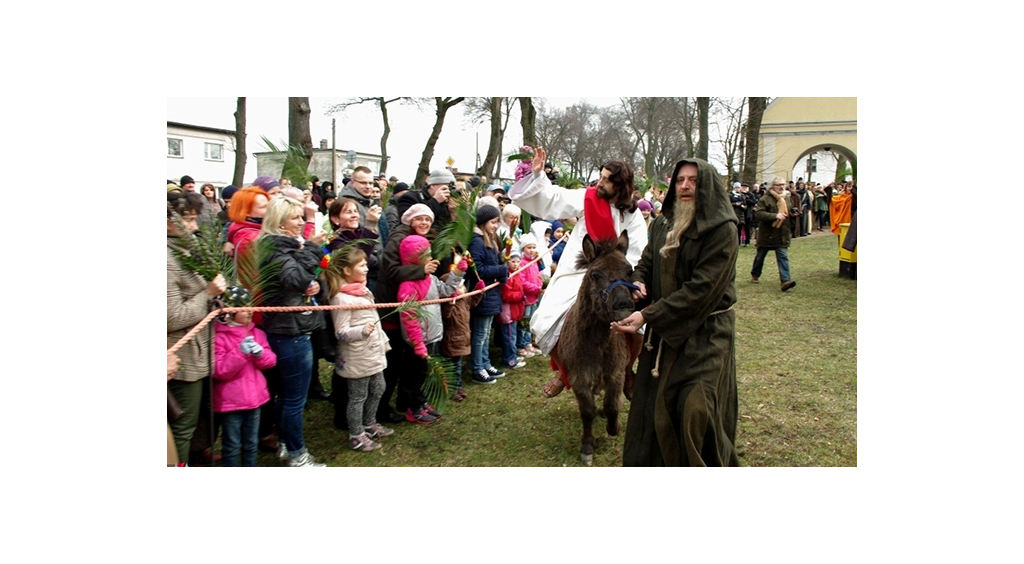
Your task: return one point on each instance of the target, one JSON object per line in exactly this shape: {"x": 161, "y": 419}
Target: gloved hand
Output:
{"x": 256, "y": 349}
{"x": 462, "y": 266}
{"x": 246, "y": 345}
{"x": 479, "y": 285}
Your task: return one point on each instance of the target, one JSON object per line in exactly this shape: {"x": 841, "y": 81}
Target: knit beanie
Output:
{"x": 527, "y": 239}
{"x": 414, "y": 211}
{"x": 644, "y": 205}
{"x": 186, "y": 180}
{"x": 265, "y": 182}
{"x": 440, "y": 177}
{"x": 228, "y": 192}
{"x": 486, "y": 213}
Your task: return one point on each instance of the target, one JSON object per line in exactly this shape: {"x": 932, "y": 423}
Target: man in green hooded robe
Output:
{"x": 684, "y": 407}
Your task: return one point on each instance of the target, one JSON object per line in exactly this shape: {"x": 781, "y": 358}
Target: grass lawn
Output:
{"x": 796, "y": 356}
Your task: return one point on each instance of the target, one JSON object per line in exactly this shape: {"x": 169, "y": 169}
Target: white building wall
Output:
{"x": 193, "y": 161}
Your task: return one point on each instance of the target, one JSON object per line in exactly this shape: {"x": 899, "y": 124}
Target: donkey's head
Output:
{"x": 606, "y": 285}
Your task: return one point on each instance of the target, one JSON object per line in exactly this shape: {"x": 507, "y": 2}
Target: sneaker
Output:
{"x": 523, "y": 353}
{"x": 419, "y": 416}
{"x": 520, "y": 364}
{"x": 520, "y": 358}
{"x": 363, "y": 443}
{"x": 482, "y": 377}
{"x": 282, "y": 452}
{"x": 536, "y": 350}
{"x": 305, "y": 459}
{"x": 494, "y": 372}
{"x": 377, "y": 431}
{"x": 431, "y": 411}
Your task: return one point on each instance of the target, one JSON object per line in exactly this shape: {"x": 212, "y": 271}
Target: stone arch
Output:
{"x": 793, "y": 128}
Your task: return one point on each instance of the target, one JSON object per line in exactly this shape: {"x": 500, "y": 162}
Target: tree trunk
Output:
{"x": 528, "y": 119}
{"x": 755, "y": 112}
{"x": 703, "y": 105}
{"x": 423, "y": 171}
{"x": 494, "y": 144}
{"x": 384, "y": 138}
{"x": 240, "y": 152}
{"x": 299, "y": 138}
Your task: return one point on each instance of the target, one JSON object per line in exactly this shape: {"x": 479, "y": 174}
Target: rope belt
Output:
{"x": 657, "y": 358}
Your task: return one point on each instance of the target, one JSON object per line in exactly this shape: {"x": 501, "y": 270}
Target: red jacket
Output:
{"x": 512, "y": 294}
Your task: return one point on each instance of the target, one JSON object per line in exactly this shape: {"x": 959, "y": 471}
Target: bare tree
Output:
{"x": 442, "y": 106}
{"x": 657, "y": 125}
{"x": 498, "y": 112}
{"x": 300, "y": 139}
{"x": 240, "y": 154}
{"x": 728, "y": 112}
{"x": 755, "y": 112}
{"x": 382, "y": 105}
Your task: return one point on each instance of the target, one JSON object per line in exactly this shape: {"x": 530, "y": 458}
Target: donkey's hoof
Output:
{"x": 587, "y": 459}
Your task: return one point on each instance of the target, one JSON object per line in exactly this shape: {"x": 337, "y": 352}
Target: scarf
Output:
{"x": 357, "y": 289}
{"x": 598, "y": 214}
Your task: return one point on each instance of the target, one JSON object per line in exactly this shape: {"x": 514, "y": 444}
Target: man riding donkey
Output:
{"x": 604, "y": 211}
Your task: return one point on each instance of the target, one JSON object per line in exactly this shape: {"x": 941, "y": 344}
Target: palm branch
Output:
{"x": 253, "y": 270}
{"x": 458, "y": 233}
{"x": 440, "y": 383}
{"x": 202, "y": 253}
{"x": 295, "y": 166}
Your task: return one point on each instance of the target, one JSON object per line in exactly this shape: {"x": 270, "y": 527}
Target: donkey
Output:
{"x": 593, "y": 356}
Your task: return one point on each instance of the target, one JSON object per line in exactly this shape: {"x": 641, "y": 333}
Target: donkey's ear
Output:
{"x": 589, "y": 252}
{"x": 623, "y": 243}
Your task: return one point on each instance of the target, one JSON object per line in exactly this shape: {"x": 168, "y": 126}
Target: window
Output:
{"x": 214, "y": 152}
{"x": 173, "y": 147}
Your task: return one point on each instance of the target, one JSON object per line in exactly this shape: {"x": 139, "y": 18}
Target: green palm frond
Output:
{"x": 296, "y": 163}
{"x": 440, "y": 383}
{"x": 203, "y": 254}
{"x": 518, "y": 157}
{"x": 412, "y": 305}
{"x": 254, "y": 271}
{"x": 458, "y": 234}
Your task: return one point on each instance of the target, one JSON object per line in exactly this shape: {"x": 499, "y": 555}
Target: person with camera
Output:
{"x": 440, "y": 186}
{"x": 771, "y": 236}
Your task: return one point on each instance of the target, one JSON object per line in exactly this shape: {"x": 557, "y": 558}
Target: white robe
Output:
{"x": 535, "y": 194}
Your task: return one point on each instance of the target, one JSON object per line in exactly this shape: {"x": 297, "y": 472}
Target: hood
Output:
{"x": 714, "y": 206}
{"x": 411, "y": 248}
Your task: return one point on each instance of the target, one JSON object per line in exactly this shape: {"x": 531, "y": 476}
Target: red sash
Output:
{"x": 598, "y": 215}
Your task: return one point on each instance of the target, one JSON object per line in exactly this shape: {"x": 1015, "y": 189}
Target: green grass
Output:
{"x": 796, "y": 356}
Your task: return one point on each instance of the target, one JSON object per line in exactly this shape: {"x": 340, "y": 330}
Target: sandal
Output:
{"x": 554, "y": 386}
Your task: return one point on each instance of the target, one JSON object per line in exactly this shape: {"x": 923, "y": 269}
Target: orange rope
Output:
{"x": 210, "y": 316}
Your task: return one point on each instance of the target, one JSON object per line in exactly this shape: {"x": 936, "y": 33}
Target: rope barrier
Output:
{"x": 213, "y": 314}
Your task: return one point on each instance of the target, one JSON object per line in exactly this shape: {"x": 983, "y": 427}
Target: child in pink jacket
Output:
{"x": 239, "y": 387}
{"x": 533, "y": 287}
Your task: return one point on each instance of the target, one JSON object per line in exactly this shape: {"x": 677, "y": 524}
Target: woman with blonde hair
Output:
{"x": 293, "y": 261}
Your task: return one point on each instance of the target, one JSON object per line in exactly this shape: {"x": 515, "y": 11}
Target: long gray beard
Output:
{"x": 681, "y": 219}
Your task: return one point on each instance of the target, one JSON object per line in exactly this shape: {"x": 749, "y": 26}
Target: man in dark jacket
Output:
{"x": 684, "y": 407}
{"x": 770, "y": 237}
{"x": 435, "y": 196}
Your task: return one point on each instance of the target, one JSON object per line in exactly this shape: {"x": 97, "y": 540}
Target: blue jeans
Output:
{"x": 240, "y": 435}
{"x": 295, "y": 364}
{"x": 781, "y": 257}
{"x": 508, "y": 344}
{"x": 524, "y": 335}
{"x": 480, "y": 333}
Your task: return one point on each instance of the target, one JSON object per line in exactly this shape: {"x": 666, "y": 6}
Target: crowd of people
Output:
{"x": 262, "y": 368}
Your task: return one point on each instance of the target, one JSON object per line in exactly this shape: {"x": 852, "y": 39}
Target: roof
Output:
{"x": 200, "y": 127}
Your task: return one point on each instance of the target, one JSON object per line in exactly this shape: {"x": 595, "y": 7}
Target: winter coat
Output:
{"x": 373, "y": 249}
{"x": 358, "y": 355}
{"x": 296, "y": 263}
{"x": 765, "y": 213}
{"x": 238, "y": 382}
{"x": 442, "y": 216}
{"x": 490, "y": 270}
{"x": 513, "y": 296}
{"x": 426, "y": 327}
{"x": 393, "y": 272}
{"x": 187, "y": 305}
{"x": 456, "y": 340}
{"x": 686, "y": 414}
{"x": 532, "y": 283}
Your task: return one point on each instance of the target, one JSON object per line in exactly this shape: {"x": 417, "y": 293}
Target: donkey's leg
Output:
{"x": 585, "y": 399}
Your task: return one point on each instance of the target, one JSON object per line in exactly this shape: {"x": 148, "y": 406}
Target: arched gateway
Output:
{"x": 793, "y": 128}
